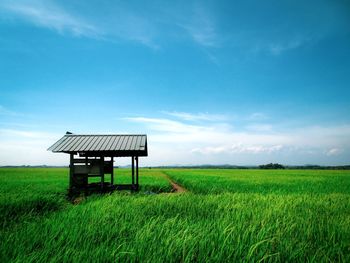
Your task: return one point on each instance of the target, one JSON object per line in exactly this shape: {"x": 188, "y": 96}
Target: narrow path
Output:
{"x": 176, "y": 188}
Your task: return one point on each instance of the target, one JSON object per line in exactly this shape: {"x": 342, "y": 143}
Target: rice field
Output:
{"x": 225, "y": 216}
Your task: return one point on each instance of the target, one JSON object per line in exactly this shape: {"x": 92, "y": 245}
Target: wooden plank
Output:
{"x": 114, "y": 153}
{"x": 94, "y": 175}
{"x": 81, "y": 169}
{"x": 85, "y": 160}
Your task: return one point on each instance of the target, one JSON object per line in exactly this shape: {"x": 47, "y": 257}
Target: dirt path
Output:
{"x": 176, "y": 188}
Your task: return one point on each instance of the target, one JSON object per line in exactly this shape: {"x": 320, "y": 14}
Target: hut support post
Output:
{"x": 112, "y": 173}
{"x": 102, "y": 173}
{"x": 132, "y": 173}
{"x": 71, "y": 171}
{"x": 86, "y": 185}
{"x": 137, "y": 172}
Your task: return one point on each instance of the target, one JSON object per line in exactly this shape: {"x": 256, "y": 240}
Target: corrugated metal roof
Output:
{"x": 128, "y": 144}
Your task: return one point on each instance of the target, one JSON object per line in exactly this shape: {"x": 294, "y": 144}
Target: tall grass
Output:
{"x": 262, "y": 181}
{"x": 202, "y": 226}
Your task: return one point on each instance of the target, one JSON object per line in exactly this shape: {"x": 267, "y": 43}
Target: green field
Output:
{"x": 226, "y": 216}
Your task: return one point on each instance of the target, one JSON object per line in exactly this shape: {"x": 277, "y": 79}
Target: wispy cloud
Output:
{"x": 259, "y": 127}
{"x": 5, "y": 111}
{"x": 257, "y": 116}
{"x": 196, "y": 117}
{"x": 50, "y": 15}
{"x": 272, "y": 46}
{"x": 278, "y": 48}
{"x": 201, "y": 27}
{"x": 11, "y": 133}
{"x": 123, "y": 25}
{"x": 166, "y": 125}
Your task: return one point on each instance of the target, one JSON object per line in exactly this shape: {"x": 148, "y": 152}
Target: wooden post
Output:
{"x": 87, "y": 174}
{"x": 132, "y": 172}
{"x": 112, "y": 174}
{"x": 102, "y": 173}
{"x": 71, "y": 171}
{"x": 137, "y": 172}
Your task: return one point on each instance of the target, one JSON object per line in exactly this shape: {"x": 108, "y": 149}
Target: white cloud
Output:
{"x": 238, "y": 148}
{"x": 334, "y": 151}
{"x": 197, "y": 117}
{"x": 220, "y": 143}
{"x": 23, "y": 147}
{"x": 177, "y": 142}
{"x": 223, "y": 133}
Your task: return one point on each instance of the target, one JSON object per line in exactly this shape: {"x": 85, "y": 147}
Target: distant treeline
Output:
{"x": 204, "y": 166}
{"x": 319, "y": 167}
{"x": 271, "y": 166}
{"x": 209, "y": 166}
{"x": 34, "y": 166}
{"x": 264, "y": 166}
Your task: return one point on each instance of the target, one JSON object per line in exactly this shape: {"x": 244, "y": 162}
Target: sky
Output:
{"x": 209, "y": 82}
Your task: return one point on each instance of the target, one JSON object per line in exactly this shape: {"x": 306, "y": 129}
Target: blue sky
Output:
{"x": 238, "y": 82}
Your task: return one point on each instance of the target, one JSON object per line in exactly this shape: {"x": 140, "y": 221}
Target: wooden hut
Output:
{"x": 93, "y": 156}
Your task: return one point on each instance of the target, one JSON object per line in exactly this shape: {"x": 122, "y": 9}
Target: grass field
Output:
{"x": 227, "y": 215}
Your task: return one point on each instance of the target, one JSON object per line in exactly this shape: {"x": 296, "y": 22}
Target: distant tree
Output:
{"x": 271, "y": 166}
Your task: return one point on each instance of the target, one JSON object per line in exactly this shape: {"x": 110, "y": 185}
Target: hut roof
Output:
{"x": 109, "y": 144}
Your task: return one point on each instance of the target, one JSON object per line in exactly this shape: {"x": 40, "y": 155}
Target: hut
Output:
{"x": 93, "y": 156}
